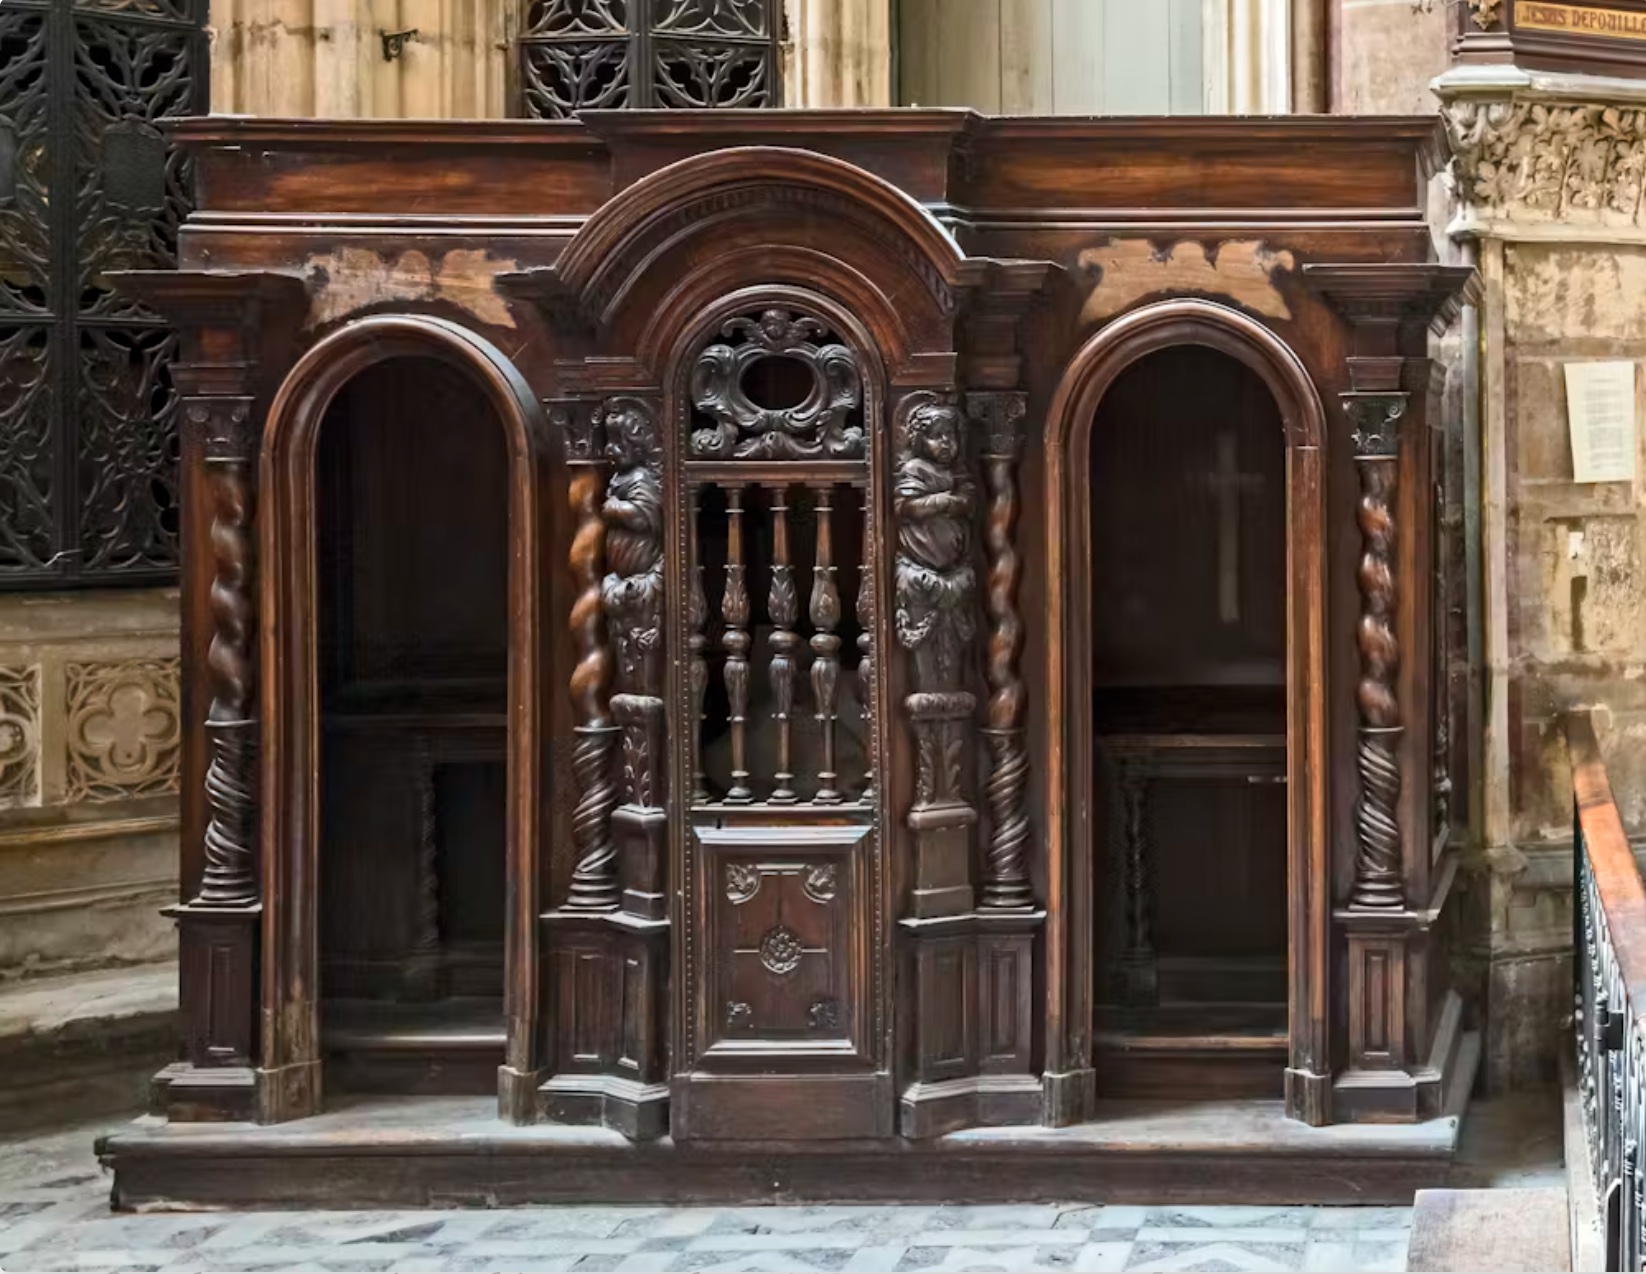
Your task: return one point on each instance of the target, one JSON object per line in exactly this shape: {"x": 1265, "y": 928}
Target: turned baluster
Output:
{"x": 784, "y": 607}
{"x": 697, "y": 615}
{"x": 1138, "y": 963}
{"x": 865, "y": 648}
{"x": 825, "y": 643}
{"x": 734, "y": 610}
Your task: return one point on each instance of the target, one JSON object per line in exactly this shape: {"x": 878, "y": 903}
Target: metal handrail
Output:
{"x": 1609, "y": 1021}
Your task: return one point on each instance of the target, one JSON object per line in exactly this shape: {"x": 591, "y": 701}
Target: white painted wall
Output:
{"x": 1107, "y": 57}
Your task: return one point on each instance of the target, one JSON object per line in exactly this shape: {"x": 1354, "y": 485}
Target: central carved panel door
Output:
{"x": 772, "y": 477}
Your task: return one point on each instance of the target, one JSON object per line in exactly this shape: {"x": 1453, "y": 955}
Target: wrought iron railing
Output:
{"x": 1609, "y": 968}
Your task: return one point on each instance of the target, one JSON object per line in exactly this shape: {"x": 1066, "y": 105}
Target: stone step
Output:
{"x": 1463, "y": 1230}
{"x": 84, "y": 1044}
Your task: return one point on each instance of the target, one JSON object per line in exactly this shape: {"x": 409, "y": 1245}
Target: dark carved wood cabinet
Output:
{"x": 746, "y": 655}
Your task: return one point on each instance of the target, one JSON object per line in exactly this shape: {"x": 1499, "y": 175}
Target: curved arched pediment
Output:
{"x": 704, "y": 201}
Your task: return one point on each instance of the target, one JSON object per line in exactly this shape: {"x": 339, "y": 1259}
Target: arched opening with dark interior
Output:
{"x": 412, "y": 586}
{"x": 1189, "y": 683}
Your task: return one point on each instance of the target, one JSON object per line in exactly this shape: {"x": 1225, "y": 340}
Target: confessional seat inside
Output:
{"x": 413, "y": 554}
{"x": 1189, "y": 716}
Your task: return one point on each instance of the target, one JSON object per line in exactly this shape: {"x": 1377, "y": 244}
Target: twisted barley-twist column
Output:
{"x": 594, "y": 884}
{"x": 1006, "y": 875}
{"x": 230, "y": 876}
{"x": 1377, "y": 812}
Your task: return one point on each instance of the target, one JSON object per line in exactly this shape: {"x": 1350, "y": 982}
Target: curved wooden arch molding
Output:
{"x": 289, "y": 1079}
{"x": 696, "y": 198}
{"x": 1069, "y": 797}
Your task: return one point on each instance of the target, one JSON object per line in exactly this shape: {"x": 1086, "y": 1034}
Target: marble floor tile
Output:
{"x": 55, "y": 1217}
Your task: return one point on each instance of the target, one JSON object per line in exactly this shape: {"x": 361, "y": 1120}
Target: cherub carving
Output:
{"x": 633, "y": 513}
{"x": 934, "y": 502}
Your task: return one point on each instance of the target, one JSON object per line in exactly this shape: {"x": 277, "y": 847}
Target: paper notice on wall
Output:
{"x": 1600, "y": 407}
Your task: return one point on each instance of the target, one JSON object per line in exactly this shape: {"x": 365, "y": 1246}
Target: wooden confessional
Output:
{"x": 873, "y": 655}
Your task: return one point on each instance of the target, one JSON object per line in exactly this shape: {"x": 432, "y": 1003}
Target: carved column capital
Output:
{"x": 1375, "y": 421}
{"x": 999, "y": 416}
{"x": 225, "y": 426}
{"x": 1542, "y": 156}
{"x": 579, "y": 424}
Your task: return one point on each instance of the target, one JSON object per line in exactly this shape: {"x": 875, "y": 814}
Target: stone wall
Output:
{"x": 1388, "y": 51}
{"x": 89, "y": 753}
{"x": 1548, "y": 190}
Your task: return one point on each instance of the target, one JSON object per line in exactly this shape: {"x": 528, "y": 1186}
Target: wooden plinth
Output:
{"x": 453, "y": 1152}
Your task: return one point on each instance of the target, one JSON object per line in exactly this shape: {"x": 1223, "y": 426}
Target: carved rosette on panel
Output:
{"x": 1377, "y": 883}
{"x": 124, "y": 729}
{"x": 594, "y": 879}
{"x": 19, "y": 736}
{"x": 230, "y": 444}
{"x": 934, "y": 501}
{"x": 999, "y": 417}
{"x": 821, "y": 426}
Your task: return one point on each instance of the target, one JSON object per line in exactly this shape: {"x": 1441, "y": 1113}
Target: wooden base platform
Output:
{"x": 454, "y": 1152}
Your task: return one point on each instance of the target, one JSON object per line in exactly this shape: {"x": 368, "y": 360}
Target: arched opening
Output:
{"x": 1188, "y": 691}
{"x": 412, "y": 552}
{"x": 1078, "y": 822}
{"x": 456, "y": 442}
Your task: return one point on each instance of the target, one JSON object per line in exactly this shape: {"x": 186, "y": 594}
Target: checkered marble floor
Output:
{"x": 54, "y": 1216}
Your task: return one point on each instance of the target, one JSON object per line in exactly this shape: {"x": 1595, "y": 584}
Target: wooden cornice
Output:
{"x": 195, "y": 297}
{"x": 1379, "y": 293}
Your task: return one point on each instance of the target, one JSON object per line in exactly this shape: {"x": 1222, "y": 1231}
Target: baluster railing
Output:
{"x": 697, "y": 641}
{"x": 1609, "y": 1022}
{"x": 783, "y": 605}
{"x": 825, "y": 614}
{"x": 734, "y": 612}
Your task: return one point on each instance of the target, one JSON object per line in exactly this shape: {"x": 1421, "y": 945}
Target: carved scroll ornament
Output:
{"x": 822, "y": 426}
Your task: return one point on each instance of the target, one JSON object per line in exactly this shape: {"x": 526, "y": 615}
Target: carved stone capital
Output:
{"x": 1544, "y": 156}
{"x": 1375, "y": 419}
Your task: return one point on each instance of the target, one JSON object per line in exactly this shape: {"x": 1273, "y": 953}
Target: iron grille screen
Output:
{"x": 88, "y": 185}
{"x": 647, "y": 53}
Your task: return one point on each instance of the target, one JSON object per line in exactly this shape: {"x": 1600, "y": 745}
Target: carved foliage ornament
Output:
{"x": 1539, "y": 161}
{"x": 824, "y": 424}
